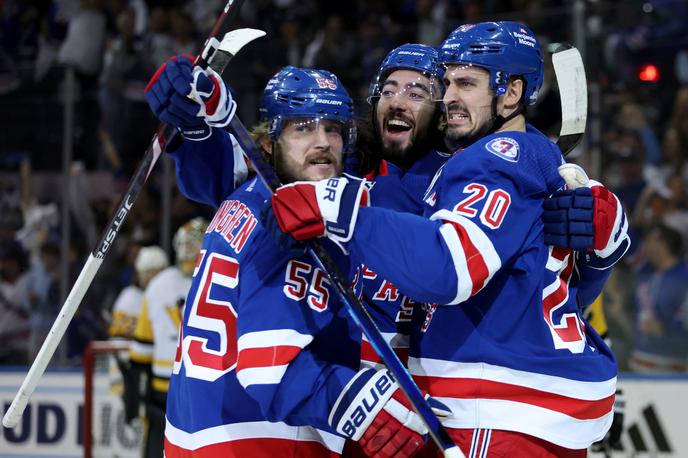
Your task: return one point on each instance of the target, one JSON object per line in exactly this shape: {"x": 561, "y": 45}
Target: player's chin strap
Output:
{"x": 498, "y": 120}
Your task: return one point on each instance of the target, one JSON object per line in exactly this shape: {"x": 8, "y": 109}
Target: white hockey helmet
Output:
{"x": 150, "y": 258}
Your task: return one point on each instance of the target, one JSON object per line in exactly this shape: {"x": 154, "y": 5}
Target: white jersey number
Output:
{"x": 214, "y": 316}
{"x": 566, "y": 328}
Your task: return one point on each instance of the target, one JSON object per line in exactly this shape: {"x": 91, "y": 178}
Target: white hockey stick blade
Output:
{"x": 234, "y": 40}
{"x": 232, "y": 43}
{"x": 16, "y": 409}
{"x": 219, "y": 53}
{"x": 573, "y": 91}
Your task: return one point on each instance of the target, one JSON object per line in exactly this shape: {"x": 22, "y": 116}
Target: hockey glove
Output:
{"x": 189, "y": 98}
{"x": 328, "y": 207}
{"x": 373, "y": 410}
{"x": 586, "y": 216}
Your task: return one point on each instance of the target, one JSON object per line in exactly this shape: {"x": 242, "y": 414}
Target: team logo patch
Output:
{"x": 504, "y": 147}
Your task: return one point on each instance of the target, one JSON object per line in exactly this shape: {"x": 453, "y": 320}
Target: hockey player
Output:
{"x": 405, "y": 152}
{"x": 404, "y": 117}
{"x": 268, "y": 363}
{"x": 508, "y": 352}
{"x": 407, "y": 144}
{"x": 157, "y": 328}
{"x": 149, "y": 261}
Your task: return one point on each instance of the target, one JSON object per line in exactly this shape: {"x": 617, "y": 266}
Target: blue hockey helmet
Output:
{"x": 505, "y": 49}
{"x": 307, "y": 93}
{"x": 410, "y": 56}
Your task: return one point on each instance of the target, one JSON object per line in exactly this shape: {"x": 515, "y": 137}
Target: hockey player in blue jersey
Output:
{"x": 268, "y": 362}
{"x": 401, "y": 184}
{"x": 406, "y": 151}
{"x": 507, "y": 350}
{"x": 404, "y": 154}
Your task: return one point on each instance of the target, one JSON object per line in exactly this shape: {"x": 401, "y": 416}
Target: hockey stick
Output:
{"x": 359, "y": 313}
{"x": 573, "y": 92}
{"x": 232, "y": 42}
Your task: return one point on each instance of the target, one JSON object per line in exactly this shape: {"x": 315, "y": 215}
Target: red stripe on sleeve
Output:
{"x": 266, "y": 357}
{"x": 477, "y": 267}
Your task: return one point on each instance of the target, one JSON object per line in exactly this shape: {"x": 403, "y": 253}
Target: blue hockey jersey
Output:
{"x": 509, "y": 350}
{"x": 265, "y": 348}
{"x": 400, "y": 191}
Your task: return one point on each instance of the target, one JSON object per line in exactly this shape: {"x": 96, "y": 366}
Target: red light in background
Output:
{"x": 649, "y": 72}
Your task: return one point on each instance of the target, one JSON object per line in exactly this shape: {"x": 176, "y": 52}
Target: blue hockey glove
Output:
{"x": 373, "y": 410}
{"x": 328, "y": 207}
{"x": 189, "y": 98}
{"x": 590, "y": 220}
{"x": 568, "y": 218}
{"x": 586, "y": 217}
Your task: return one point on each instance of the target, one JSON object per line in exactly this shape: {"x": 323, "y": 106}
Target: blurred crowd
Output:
{"x": 638, "y": 133}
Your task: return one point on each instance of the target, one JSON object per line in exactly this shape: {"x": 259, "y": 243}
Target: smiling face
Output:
{"x": 309, "y": 149}
{"x": 468, "y": 104}
{"x": 404, "y": 112}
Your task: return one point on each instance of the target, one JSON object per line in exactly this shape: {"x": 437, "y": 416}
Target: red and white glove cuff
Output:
{"x": 216, "y": 106}
{"x": 619, "y": 230}
{"x": 339, "y": 200}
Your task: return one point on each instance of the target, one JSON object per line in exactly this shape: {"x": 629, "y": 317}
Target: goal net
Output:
{"x": 105, "y": 432}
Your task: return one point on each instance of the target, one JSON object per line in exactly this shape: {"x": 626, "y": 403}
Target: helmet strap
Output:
{"x": 498, "y": 120}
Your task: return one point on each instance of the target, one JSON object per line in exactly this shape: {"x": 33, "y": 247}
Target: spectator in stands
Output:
{"x": 11, "y": 218}
{"x": 14, "y": 304}
{"x": 183, "y": 33}
{"x": 159, "y": 44}
{"x": 661, "y": 338}
{"x": 40, "y": 217}
{"x": 333, "y": 49}
{"x": 679, "y": 116}
{"x": 45, "y": 293}
{"x": 82, "y": 50}
{"x": 127, "y": 65}
{"x": 673, "y": 154}
{"x": 677, "y": 215}
{"x": 628, "y": 163}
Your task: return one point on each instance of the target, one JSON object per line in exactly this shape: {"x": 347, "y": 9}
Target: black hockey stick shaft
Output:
{"x": 356, "y": 309}
{"x": 161, "y": 138}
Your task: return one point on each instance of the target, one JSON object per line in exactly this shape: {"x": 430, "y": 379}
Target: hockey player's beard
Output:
{"x": 289, "y": 170}
{"x": 454, "y": 139}
{"x": 404, "y": 153}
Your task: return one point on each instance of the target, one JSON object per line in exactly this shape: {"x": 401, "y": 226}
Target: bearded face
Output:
{"x": 309, "y": 149}
{"x": 404, "y": 112}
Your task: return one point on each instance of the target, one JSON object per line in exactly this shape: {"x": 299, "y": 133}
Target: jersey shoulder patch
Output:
{"x": 506, "y": 148}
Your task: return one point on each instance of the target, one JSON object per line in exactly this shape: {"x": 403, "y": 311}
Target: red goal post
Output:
{"x": 103, "y": 406}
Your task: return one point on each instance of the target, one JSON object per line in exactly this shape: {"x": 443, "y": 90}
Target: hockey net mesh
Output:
{"x": 106, "y": 434}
